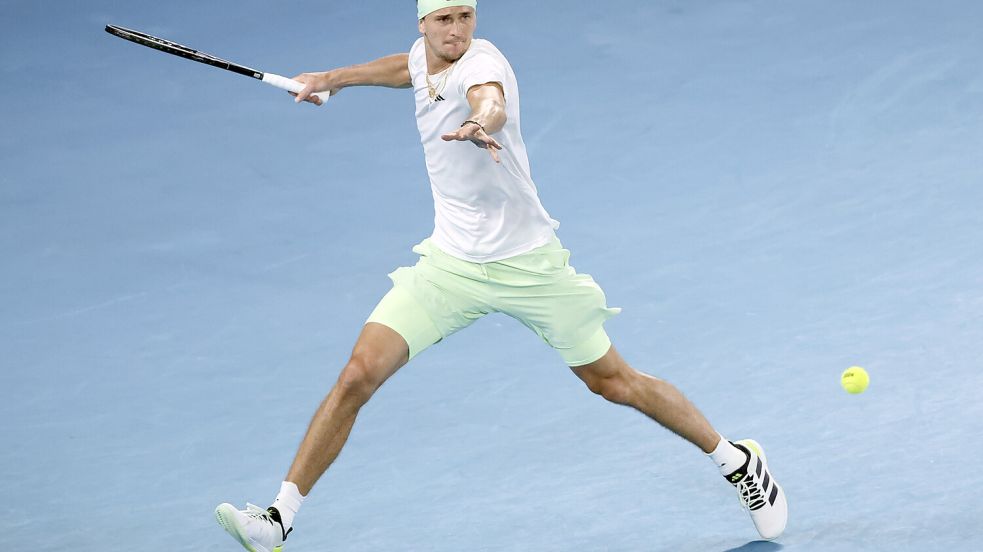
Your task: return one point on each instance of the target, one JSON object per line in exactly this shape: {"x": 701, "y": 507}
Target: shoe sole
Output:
{"x": 226, "y": 518}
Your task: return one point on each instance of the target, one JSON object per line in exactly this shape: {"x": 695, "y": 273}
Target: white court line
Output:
{"x": 79, "y": 311}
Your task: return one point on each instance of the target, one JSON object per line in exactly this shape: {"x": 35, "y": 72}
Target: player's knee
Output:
{"x": 359, "y": 379}
{"x": 614, "y": 388}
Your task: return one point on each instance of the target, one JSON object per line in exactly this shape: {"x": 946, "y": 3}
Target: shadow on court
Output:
{"x": 756, "y": 546}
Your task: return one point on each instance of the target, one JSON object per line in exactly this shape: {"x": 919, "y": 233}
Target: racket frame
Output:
{"x": 186, "y": 52}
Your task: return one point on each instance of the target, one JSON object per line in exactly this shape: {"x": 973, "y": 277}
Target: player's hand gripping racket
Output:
{"x": 208, "y": 59}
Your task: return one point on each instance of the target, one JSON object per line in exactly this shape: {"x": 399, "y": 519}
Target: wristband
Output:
{"x": 474, "y": 123}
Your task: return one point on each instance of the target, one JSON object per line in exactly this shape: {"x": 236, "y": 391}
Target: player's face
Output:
{"x": 448, "y": 32}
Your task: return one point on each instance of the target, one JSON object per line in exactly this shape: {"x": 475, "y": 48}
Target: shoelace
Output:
{"x": 258, "y": 513}
{"x": 750, "y": 493}
{"x": 255, "y": 511}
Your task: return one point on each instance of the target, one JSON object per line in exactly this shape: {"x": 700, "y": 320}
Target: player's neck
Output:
{"x": 436, "y": 63}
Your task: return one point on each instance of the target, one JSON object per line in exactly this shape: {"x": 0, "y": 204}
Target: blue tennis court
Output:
{"x": 772, "y": 191}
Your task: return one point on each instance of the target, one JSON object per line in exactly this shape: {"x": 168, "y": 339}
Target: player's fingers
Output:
{"x": 494, "y": 154}
{"x": 486, "y": 139}
{"x": 315, "y": 98}
{"x": 305, "y": 93}
{"x": 452, "y": 136}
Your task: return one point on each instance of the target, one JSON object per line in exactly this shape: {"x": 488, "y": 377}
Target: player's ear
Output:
{"x": 420, "y": 25}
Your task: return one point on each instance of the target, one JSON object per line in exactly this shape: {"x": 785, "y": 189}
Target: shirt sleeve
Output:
{"x": 483, "y": 69}
{"x": 412, "y": 63}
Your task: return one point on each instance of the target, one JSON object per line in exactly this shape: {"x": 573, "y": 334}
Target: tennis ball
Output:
{"x": 854, "y": 380}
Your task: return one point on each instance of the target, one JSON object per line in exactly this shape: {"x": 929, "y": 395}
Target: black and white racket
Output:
{"x": 208, "y": 59}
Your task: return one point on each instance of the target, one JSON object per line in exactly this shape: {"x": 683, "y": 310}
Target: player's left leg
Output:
{"x": 742, "y": 463}
{"x": 612, "y": 378}
{"x": 568, "y": 310}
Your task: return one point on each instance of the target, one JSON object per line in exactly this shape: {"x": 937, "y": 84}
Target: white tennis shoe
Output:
{"x": 258, "y": 530}
{"x": 759, "y": 493}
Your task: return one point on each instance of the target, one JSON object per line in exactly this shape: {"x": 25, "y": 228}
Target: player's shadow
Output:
{"x": 757, "y": 546}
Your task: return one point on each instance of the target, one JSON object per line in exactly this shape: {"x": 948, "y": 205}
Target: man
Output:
{"x": 493, "y": 249}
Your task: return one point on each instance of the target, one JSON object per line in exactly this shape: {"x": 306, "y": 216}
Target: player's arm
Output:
{"x": 390, "y": 71}
{"x": 487, "y": 117}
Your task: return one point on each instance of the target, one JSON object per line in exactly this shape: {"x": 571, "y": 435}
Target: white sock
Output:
{"x": 287, "y": 502}
{"x": 727, "y": 457}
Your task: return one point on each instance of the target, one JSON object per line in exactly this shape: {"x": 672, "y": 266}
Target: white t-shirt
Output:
{"x": 483, "y": 211}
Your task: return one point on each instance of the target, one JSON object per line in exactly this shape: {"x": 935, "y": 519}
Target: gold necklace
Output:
{"x": 435, "y": 89}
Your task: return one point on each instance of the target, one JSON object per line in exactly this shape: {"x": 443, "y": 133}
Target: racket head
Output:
{"x": 180, "y": 50}
{"x": 186, "y": 52}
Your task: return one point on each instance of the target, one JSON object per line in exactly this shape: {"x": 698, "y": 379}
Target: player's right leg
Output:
{"x": 437, "y": 297}
{"x": 379, "y": 352}
{"x": 427, "y": 303}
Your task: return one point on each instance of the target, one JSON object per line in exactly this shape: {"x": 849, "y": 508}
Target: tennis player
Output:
{"x": 493, "y": 249}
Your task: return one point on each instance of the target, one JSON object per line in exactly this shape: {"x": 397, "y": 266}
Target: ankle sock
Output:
{"x": 287, "y": 502}
{"x": 727, "y": 457}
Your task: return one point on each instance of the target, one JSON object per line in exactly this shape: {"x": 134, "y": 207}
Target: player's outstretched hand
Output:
{"x": 477, "y": 136}
{"x": 314, "y": 83}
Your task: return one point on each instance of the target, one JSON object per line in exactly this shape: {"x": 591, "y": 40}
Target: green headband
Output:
{"x": 426, "y": 7}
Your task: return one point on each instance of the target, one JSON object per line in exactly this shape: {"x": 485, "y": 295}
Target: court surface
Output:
{"x": 773, "y": 191}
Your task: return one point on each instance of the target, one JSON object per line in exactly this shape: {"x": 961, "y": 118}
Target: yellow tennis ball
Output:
{"x": 854, "y": 380}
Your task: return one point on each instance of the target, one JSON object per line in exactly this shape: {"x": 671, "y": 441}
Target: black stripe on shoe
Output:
{"x": 739, "y": 474}
{"x": 275, "y": 516}
{"x": 774, "y": 495}
{"x": 757, "y": 468}
{"x": 764, "y": 482}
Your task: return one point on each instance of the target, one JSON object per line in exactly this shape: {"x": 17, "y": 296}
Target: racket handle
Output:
{"x": 290, "y": 85}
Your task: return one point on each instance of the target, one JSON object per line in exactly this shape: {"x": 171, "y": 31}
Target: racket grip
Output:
{"x": 290, "y": 85}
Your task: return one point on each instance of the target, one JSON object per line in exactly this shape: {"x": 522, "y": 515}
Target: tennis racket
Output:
{"x": 208, "y": 59}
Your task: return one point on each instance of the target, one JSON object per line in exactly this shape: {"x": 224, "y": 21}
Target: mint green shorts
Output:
{"x": 442, "y": 294}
